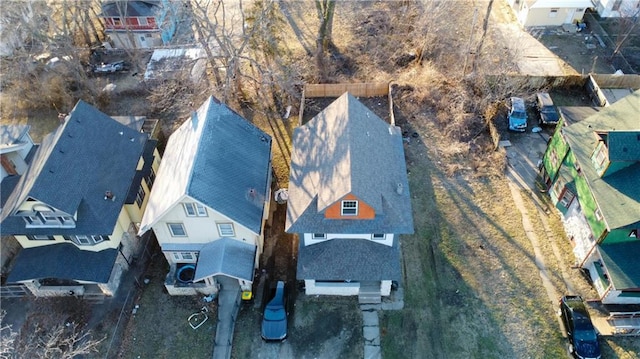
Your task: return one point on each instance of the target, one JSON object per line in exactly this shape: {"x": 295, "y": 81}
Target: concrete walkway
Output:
{"x": 371, "y": 322}
{"x": 228, "y": 306}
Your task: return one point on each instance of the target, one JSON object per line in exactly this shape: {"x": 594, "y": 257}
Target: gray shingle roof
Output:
{"x": 218, "y": 158}
{"x": 349, "y": 259}
{"x": 617, "y": 194}
{"x": 621, "y": 260}
{"x": 624, "y": 145}
{"x": 228, "y": 257}
{"x": 73, "y": 168}
{"x": 346, "y": 149}
{"x": 63, "y": 261}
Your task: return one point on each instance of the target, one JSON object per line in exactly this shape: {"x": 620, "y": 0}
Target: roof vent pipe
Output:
{"x": 399, "y": 188}
{"x": 109, "y": 195}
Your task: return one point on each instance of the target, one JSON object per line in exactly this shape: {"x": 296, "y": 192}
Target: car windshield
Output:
{"x": 274, "y": 314}
{"x": 548, "y": 109}
{"x": 585, "y": 336}
{"x": 518, "y": 114}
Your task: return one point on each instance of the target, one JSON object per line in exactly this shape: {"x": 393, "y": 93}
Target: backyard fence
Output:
{"x": 356, "y": 89}
{"x": 365, "y": 89}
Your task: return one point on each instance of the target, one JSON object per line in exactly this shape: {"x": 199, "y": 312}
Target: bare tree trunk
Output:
{"x": 325, "y": 9}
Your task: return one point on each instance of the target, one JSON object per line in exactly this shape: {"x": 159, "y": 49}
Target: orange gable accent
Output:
{"x": 364, "y": 210}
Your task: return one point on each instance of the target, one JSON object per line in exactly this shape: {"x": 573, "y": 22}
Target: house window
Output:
{"x": 194, "y": 210}
{"x": 601, "y": 156}
{"x": 567, "y": 198}
{"x": 378, "y": 236}
{"x": 142, "y": 20}
{"x": 151, "y": 178}
{"x": 117, "y": 21}
{"x": 83, "y": 240}
{"x": 140, "y": 196}
{"x": 48, "y": 219}
{"x": 553, "y": 13}
{"x": 598, "y": 214}
{"x": 177, "y": 230}
{"x": 349, "y": 208}
{"x": 184, "y": 256}
{"x": 319, "y": 236}
{"x": 37, "y": 237}
{"x": 226, "y": 230}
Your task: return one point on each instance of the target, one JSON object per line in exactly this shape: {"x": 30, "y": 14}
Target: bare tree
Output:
{"x": 229, "y": 35}
{"x": 62, "y": 341}
{"x": 7, "y": 339}
{"x": 55, "y": 32}
{"x": 627, "y": 24}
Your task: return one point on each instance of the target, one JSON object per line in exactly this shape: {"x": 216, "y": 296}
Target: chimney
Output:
{"x": 109, "y": 195}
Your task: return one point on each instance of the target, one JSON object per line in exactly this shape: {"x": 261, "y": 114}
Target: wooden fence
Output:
{"x": 366, "y": 89}
{"x": 356, "y": 89}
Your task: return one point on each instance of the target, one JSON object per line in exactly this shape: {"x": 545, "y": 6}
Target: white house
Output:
{"x": 211, "y": 200}
{"x": 617, "y": 8}
{"x": 549, "y": 12}
{"x": 15, "y": 146}
{"x": 348, "y": 201}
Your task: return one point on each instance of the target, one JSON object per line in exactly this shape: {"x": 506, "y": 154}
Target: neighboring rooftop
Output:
{"x": 618, "y": 194}
{"x": 218, "y": 158}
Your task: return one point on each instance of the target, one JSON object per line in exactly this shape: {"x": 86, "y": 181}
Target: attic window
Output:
{"x": 598, "y": 214}
{"x": 226, "y": 230}
{"x": 319, "y": 236}
{"x": 349, "y": 208}
{"x": 194, "y": 210}
{"x": 378, "y": 236}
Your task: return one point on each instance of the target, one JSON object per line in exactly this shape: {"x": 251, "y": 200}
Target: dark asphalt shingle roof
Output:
{"x": 624, "y": 145}
{"x": 349, "y": 259}
{"x": 221, "y": 160}
{"x": 347, "y": 149}
{"x": 617, "y": 194}
{"x": 621, "y": 260}
{"x": 73, "y": 168}
{"x": 226, "y": 256}
{"x": 63, "y": 261}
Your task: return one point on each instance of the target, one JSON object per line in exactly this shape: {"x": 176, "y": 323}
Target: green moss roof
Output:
{"x": 617, "y": 195}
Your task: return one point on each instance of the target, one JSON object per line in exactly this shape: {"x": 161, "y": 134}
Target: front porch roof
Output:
{"x": 349, "y": 259}
{"x": 63, "y": 261}
{"x": 621, "y": 260}
{"x": 226, "y": 256}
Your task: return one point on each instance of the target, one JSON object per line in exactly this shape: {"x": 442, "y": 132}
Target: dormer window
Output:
{"x": 48, "y": 219}
{"x": 195, "y": 210}
{"x": 349, "y": 208}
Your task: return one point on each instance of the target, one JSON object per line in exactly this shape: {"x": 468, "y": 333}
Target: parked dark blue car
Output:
{"x": 274, "y": 320}
{"x": 583, "y": 339}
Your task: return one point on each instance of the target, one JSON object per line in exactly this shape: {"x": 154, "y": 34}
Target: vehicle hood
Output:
{"x": 274, "y": 330}
{"x": 587, "y": 349}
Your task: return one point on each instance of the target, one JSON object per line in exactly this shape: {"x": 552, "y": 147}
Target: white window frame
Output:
{"x": 173, "y": 234}
{"x": 184, "y": 256}
{"x": 224, "y": 232}
{"x": 192, "y": 209}
{"x": 140, "y": 196}
{"x": 598, "y": 214}
{"x": 567, "y": 197}
{"x": 151, "y": 178}
{"x": 142, "y": 21}
{"x": 349, "y": 208}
